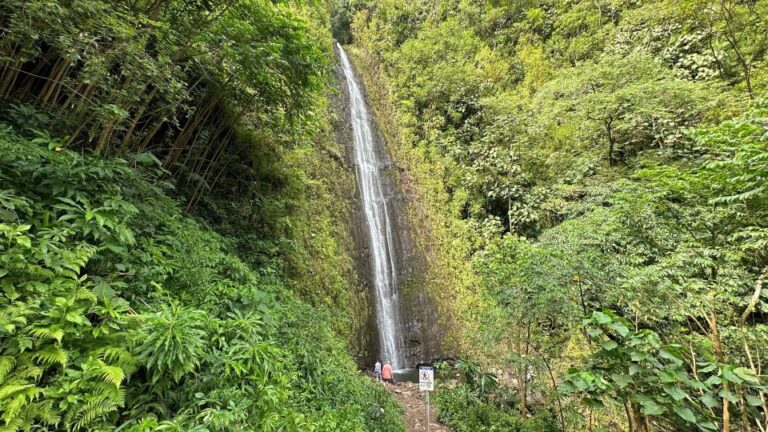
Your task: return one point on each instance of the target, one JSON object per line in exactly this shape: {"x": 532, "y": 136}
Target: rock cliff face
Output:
{"x": 418, "y": 318}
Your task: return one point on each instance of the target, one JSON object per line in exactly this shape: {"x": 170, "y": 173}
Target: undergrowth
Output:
{"x": 119, "y": 312}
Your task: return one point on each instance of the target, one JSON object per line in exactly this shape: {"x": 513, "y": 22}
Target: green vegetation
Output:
{"x": 588, "y": 181}
{"x": 119, "y": 311}
{"x": 173, "y": 241}
{"x": 480, "y": 403}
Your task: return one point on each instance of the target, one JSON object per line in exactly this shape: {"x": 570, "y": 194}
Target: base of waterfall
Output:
{"x": 410, "y": 375}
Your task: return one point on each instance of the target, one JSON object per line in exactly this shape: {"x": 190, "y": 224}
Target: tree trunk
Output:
{"x": 32, "y": 76}
{"x": 611, "y": 141}
{"x": 186, "y": 133}
{"x": 9, "y": 79}
{"x": 138, "y": 115}
{"x": 154, "y": 9}
{"x": 733, "y": 41}
{"x": 53, "y": 80}
{"x": 200, "y": 164}
{"x": 76, "y": 134}
{"x": 523, "y": 382}
{"x": 720, "y": 355}
{"x": 56, "y": 94}
{"x": 560, "y": 415}
{"x": 148, "y": 137}
{"x": 209, "y": 170}
{"x": 635, "y": 418}
{"x": 104, "y": 138}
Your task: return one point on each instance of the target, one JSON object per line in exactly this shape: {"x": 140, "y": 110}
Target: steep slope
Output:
{"x": 387, "y": 256}
{"x": 175, "y": 213}
{"x": 577, "y": 177}
{"x": 120, "y": 311}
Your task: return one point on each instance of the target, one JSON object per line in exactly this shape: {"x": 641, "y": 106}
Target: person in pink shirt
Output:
{"x": 386, "y": 372}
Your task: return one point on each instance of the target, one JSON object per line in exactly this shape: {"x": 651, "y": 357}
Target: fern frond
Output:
{"x": 13, "y": 407}
{"x": 6, "y": 366}
{"x": 53, "y": 332}
{"x": 14, "y": 316}
{"x": 15, "y": 397}
{"x": 116, "y": 355}
{"x": 92, "y": 410}
{"x": 110, "y": 374}
{"x": 44, "y": 412}
{"x": 107, "y": 390}
{"x": 84, "y": 294}
{"x": 10, "y": 390}
{"x": 12, "y": 426}
{"x": 28, "y": 370}
{"x": 51, "y": 355}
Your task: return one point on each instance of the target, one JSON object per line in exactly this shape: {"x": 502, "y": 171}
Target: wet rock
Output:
{"x": 418, "y": 311}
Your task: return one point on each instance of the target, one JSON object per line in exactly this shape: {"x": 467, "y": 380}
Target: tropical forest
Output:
{"x": 279, "y": 215}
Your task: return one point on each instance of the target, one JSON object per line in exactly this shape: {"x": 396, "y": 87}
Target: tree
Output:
{"x": 628, "y": 103}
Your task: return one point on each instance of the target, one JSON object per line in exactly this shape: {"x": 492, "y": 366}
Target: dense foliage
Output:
{"x": 179, "y": 78}
{"x": 231, "y": 97}
{"x": 588, "y": 180}
{"x": 480, "y": 403}
{"x": 119, "y": 311}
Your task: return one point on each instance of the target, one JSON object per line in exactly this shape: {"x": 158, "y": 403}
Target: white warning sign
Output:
{"x": 426, "y": 378}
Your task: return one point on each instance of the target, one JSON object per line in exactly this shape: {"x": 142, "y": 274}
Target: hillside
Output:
{"x": 587, "y": 180}
{"x": 175, "y": 248}
{"x": 213, "y": 217}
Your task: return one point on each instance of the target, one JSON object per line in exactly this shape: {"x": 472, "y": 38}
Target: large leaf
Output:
{"x": 747, "y": 375}
{"x": 685, "y": 413}
{"x": 676, "y": 392}
{"x": 651, "y": 408}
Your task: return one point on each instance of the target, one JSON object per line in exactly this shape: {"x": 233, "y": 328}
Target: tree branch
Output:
{"x": 755, "y": 295}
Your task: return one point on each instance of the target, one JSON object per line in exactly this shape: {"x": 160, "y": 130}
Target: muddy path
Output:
{"x": 412, "y": 401}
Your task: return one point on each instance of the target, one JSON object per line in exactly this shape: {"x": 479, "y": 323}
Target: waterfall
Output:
{"x": 377, "y": 216}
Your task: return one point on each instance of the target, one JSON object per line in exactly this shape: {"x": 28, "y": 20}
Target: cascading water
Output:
{"x": 377, "y": 217}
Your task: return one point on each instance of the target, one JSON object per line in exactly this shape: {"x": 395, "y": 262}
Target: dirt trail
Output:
{"x": 412, "y": 401}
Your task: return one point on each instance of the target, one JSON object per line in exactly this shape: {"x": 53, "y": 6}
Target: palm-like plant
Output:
{"x": 173, "y": 341}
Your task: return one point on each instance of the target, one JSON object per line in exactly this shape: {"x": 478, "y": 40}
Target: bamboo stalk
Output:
{"x": 138, "y": 115}
{"x": 148, "y": 137}
{"x": 179, "y": 144}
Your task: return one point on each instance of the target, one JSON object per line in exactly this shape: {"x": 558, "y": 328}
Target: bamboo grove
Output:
{"x": 192, "y": 82}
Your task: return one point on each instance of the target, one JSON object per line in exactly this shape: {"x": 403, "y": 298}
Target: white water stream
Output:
{"x": 377, "y": 217}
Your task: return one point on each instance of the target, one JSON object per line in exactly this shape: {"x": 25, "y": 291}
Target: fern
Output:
{"x": 14, "y": 397}
{"x": 51, "y": 355}
{"x": 114, "y": 354}
{"x": 13, "y": 425}
{"x": 10, "y": 390}
{"x": 117, "y": 357}
{"x": 110, "y": 374}
{"x": 13, "y": 407}
{"x": 6, "y": 365}
{"x": 14, "y": 316}
{"x": 92, "y": 410}
{"x": 52, "y": 332}
{"x": 84, "y": 294}
{"x": 25, "y": 369}
{"x": 44, "y": 412}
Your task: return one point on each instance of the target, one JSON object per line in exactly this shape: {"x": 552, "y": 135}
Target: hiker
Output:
{"x": 377, "y": 371}
{"x": 386, "y": 373}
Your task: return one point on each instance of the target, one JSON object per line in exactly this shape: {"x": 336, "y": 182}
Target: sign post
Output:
{"x": 427, "y": 393}
{"x": 427, "y": 384}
